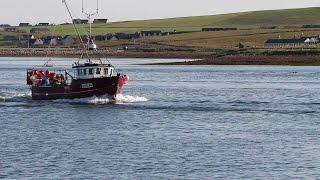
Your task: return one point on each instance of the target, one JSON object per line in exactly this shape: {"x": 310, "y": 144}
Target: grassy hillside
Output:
{"x": 229, "y": 39}
{"x": 287, "y": 17}
{"x": 256, "y": 18}
{"x": 248, "y": 23}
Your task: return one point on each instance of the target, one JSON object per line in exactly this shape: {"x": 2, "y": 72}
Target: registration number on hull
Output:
{"x": 87, "y": 86}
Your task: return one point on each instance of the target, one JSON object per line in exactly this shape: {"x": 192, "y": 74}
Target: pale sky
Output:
{"x": 53, "y": 11}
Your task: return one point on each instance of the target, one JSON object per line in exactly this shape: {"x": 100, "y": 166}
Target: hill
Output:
{"x": 288, "y": 22}
{"x": 285, "y": 17}
{"x": 255, "y": 18}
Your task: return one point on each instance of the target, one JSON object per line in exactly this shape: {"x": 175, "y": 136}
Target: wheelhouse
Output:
{"x": 92, "y": 70}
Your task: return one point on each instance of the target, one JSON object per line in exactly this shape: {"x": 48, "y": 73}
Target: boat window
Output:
{"x": 85, "y": 72}
{"x": 90, "y": 71}
{"x": 105, "y": 71}
{"x": 111, "y": 72}
{"x": 98, "y": 71}
{"x": 79, "y": 72}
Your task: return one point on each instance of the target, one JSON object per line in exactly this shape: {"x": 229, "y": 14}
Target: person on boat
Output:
{"x": 37, "y": 77}
{"x": 56, "y": 79}
{"x": 47, "y": 73}
{"x": 62, "y": 79}
{"x": 30, "y": 77}
{"x": 45, "y": 81}
{"x": 51, "y": 77}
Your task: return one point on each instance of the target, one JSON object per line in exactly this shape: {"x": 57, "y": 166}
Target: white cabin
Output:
{"x": 91, "y": 71}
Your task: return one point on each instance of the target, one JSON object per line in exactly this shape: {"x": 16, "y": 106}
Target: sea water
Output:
{"x": 170, "y": 122}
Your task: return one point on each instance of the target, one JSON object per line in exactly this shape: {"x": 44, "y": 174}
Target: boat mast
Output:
{"x": 91, "y": 44}
{"x": 90, "y": 15}
{"x": 75, "y": 28}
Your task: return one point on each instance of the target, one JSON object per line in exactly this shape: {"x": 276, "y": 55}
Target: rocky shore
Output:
{"x": 196, "y": 58}
{"x": 74, "y": 53}
{"x": 291, "y": 60}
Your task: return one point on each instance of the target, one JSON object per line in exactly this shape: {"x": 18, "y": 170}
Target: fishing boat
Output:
{"x": 86, "y": 78}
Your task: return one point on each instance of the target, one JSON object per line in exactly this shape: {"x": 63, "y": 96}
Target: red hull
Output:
{"x": 81, "y": 88}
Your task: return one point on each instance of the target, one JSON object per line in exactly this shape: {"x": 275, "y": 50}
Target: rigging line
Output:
{"x": 49, "y": 47}
{"x": 75, "y": 28}
{"x": 83, "y": 30}
{"x": 80, "y": 28}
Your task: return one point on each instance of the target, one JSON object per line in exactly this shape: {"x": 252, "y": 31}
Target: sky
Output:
{"x": 53, "y": 11}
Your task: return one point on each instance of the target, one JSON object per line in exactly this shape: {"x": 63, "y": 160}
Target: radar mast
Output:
{"x": 91, "y": 45}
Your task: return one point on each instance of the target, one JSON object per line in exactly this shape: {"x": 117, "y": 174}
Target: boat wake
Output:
{"x": 15, "y": 97}
{"x": 130, "y": 99}
{"x": 121, "y": 99}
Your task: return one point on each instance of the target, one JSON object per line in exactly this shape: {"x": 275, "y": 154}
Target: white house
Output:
{"x": 312, "y": 40}
{"x": 67, "y": 41}
{"x": 38, "y": 42}
{"x": 53, "y": 42}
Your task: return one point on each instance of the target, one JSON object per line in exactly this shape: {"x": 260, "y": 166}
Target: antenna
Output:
{"x": 90, "y": 14}
{"x": 97, "y": 6}
{"x": 82, "y": 7}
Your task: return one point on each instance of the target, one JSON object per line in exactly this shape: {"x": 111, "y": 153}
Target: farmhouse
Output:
{"x": 80, "y": 21}
{"x": 150, "y": 33}
{"x": 11, "y": 29}
{"x": 53, "y": 42}
{"x": 165, "y": 33}
{"x": 108, "y": 36}
{"x": 285, "y": 42}
{"x": 218, "y": 29}
{"x": 11, "y": 38}
{"x": 111, "y": 37}
{"x": 24, "y": 24}
{"x": 39, "y": 30}
{"x": 38, "y": 42}
{"x": 311, "y": 26}
{"x": 4, "y": 25}
{"x": 101, "y": 21}
{"x": 43, "y": 24}
{"x": 67, "y": 40}
{"x": 311, "y": 40}
{"x": 23, "y": 37}
{"x": 100, "y": 38}
{"x": 126, "y": 36}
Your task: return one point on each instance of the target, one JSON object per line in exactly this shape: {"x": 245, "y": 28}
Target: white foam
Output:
{"x": 121, "y": 99}
{"x": 23, "y": 95}
{"x": 2, "y": 98}
{"x": 15, "y": 97}
{"x": 130, "y": 99}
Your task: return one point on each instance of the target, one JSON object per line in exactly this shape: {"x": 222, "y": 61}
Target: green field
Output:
{"x": 253, "y": 38}
{"x": 282, "y": 18}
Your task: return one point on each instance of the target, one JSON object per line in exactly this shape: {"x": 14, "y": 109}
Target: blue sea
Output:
{"x": 170, "y": 122}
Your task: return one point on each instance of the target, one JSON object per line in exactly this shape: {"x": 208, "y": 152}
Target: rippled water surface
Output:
{"x": 170, "y": 122}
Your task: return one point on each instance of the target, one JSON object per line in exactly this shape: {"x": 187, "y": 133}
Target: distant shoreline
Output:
{"x": 200, "y": 58}
{"x": 303, "y": 60}
{"x": 75, "y": 53}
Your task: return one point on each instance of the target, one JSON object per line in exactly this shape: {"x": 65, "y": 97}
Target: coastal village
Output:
{"x": 40, "y": 35}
